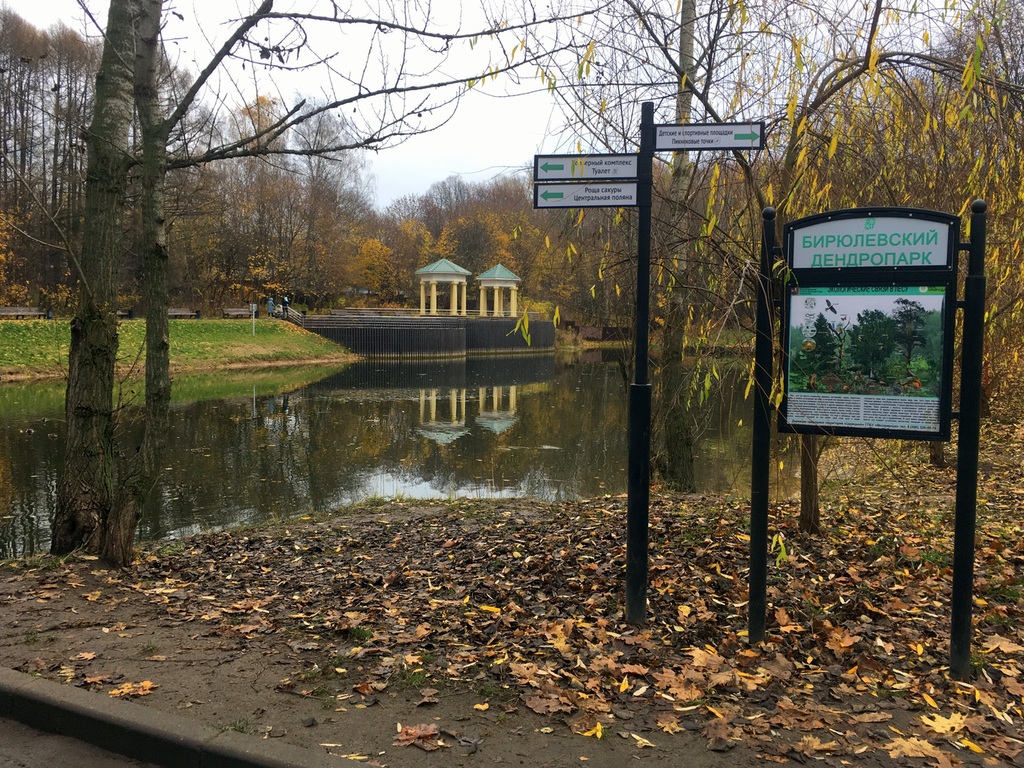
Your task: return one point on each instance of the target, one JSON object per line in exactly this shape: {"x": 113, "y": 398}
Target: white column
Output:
{"x": 465, "y": 301}
{"x": 453, "y": 307}
{"x": 433, "y": 297}
{"x": 515, "y": 290}
{"x": 423, "y": 298}
{"x": 497, "y": 301}
{"x": 483, "y": 301}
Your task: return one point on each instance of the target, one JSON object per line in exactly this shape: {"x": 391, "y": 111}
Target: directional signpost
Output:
{"x": 623, "y": 181}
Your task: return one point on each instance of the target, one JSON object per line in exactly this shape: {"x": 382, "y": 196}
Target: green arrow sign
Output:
{"x": 746, "y": 136}
{"x": 552, "y": 195}
{"x": 548, "y": 167}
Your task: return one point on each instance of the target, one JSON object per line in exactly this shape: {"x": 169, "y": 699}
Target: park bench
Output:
{"x": 179, "y": 313}
{"x": 236, "y": 312}
{"x": 22, "y": 313}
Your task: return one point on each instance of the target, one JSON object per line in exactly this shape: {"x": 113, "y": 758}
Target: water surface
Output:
{"x": 260, "y": 446}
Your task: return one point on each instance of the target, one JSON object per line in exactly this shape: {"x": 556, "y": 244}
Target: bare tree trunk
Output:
{"x": 86, "y": 486}
{"x": 810, "y": 508}
{"x": 677, "y": 427}
{"x": 137, "y": 479}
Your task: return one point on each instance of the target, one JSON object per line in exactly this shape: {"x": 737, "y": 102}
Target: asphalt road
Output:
{"x": 25, "y": 747}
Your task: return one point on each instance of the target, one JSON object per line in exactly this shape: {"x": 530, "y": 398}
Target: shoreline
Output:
{"x": 342, "y": 358}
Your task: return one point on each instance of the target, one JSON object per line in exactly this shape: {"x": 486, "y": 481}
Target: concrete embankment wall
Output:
{"x": 399, "y": 337}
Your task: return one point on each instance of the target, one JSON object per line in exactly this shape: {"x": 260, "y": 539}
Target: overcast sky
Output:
{"x": 490, "y": 135}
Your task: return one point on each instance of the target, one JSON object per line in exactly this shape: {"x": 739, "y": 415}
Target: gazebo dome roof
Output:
{"x": 499, "y": 272}
{"x": 443, "y": 268}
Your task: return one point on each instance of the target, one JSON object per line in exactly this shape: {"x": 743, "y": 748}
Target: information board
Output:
{"x": 868, "y": 360}
{"x": 869, "y": 323}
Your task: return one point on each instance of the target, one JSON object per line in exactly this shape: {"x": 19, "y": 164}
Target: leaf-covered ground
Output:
{"x": 493, "y": 630}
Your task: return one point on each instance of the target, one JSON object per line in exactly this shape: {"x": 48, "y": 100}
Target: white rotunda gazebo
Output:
{"x": 443, "y": 271}
{"x": 499, "y": 278}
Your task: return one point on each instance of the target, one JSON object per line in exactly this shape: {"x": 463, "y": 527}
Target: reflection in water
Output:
{"x": 483, "y": 427}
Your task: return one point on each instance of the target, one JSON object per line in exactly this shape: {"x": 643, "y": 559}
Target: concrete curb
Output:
{"x": 140, "y": 732}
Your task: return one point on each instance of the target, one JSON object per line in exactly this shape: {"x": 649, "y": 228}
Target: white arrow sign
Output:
{"x": 585, "y": 195}
{"x": 583, "y": 167}
{"x": 708, "y": 136}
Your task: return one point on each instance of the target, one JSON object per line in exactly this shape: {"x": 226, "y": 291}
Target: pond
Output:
{"x": 258, "y": 446}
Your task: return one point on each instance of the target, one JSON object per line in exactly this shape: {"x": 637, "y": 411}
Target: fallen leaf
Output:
{"x": 597, "y": 731}
{"x": 425, "y": 736}
{"x": 669, "y": 723}
{"x": 547, "y": 704}
{"x": 131, "y": 690}
{"x": 940, "y": 724}
{"x": 913, "y": 747}
{"x": 972, "y": 746}
{"x": 429, "y": 696}
{"x": 840, "y": 640}
{"x": 872, "y": 717}
{"x": 998, "y": 643}
{"x": 641, "y": 742}
{"x": 810, "y": 745}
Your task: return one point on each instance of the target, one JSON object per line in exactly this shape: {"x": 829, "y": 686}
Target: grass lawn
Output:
{"x": 39, "y": 348}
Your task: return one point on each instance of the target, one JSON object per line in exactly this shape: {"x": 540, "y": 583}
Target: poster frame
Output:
{"x": 884, "y": 279}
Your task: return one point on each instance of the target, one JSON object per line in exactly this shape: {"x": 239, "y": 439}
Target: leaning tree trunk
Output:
{"x": 86, "y": 487}
{"x": 137, "y": 479}
{"x": 677, "y": 426}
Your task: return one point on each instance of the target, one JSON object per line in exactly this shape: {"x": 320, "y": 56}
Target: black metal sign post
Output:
{"x": 857, "y": 264}
{"x": 606, "y": 181}
{"x": 972, "y": 347}
{"x": 760, "y": 468}
{"x": 639, "y": 473}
